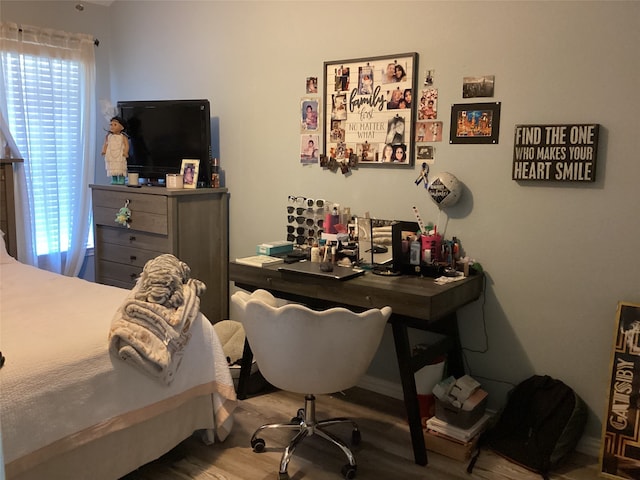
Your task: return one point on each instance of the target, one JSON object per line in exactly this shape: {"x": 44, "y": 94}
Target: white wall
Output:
{"x": 558, "y": 257}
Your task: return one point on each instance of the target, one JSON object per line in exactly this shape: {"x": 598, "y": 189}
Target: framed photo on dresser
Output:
{"x": 189, "y": 171}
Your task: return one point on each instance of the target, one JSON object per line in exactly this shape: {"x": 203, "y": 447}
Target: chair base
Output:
{"x": 306, "y": 424}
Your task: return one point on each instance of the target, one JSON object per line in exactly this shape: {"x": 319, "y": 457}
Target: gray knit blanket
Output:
{"x": 151, "y": 328}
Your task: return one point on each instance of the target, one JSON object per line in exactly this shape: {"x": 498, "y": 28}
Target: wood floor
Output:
{"x": 384, "y": 454}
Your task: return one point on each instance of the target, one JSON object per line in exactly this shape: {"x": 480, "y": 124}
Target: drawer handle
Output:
{"x": 132, "y": 238}
{"x": 133, "y": 276}
{"x": 133, "y": 258}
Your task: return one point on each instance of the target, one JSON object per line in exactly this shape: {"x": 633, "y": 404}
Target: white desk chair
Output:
{"x": 309, "y": 352}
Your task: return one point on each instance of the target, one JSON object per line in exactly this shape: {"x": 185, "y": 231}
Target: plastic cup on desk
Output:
{"x": 433, "y": 243}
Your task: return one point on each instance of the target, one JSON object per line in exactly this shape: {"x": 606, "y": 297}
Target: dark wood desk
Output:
{"x": 416, "y": 302}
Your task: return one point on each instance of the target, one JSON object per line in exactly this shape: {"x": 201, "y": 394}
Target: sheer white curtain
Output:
{"x": 48, "y": 85}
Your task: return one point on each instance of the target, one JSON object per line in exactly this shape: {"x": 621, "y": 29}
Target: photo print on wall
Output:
{"x": 309, "y": 114}
{"x": 481, "y": 86}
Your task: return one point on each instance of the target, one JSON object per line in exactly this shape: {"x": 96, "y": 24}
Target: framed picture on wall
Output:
{"x": 475, "y": 123}
{"x": 369, "y": 110}
{"x": 189, "y": 171}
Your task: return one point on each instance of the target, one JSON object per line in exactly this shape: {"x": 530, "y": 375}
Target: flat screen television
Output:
{"x": 164, "y": 132}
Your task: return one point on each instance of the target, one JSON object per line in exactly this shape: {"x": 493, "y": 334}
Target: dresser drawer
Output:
{"x": 117, "y": 274}
{"x": 127, "y": 255}
{"x": 148, "y": 212}
{"x": 132, "y": 238}
{"x": 139, "y": 201}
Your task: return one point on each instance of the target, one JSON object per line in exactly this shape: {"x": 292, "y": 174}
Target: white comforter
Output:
{"x": 60, "y": 385}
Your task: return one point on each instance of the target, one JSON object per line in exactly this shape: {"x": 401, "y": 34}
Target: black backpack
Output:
{"x": 539, "y": 426}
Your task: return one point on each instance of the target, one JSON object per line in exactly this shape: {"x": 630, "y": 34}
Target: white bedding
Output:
{"x": 60, "y": 388}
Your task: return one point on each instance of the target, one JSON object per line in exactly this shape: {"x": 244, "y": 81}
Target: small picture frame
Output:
{"x": 475, "y": 123}
{"x": 189, "y": 171}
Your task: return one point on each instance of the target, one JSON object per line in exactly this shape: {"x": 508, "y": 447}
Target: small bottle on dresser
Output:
{"x": 215, "y": 173}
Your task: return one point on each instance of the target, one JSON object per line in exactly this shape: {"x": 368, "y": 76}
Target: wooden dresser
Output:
{"x": 191, "y": 224}
{"x": 7, "y": 204}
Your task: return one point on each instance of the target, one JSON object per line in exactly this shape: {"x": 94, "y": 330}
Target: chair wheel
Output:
{"x": 349, "y": 471}
{"x": 356, "y": 437}
{"x": 299, "y": 418}
{"x": 258, "y": 445}
{"x": 283, "y": 476}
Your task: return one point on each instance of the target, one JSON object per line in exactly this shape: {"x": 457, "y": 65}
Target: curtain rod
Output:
{"x": 96, "y": 42}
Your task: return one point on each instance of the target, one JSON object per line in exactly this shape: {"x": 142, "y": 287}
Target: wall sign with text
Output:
{"x": 558, "y": 153}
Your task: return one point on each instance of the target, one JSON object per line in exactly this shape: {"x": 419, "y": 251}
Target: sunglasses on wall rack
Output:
{"x": 297, "y": 200}
{"x": 299, "y": 220}
{"x": 298, "y": 230}
{"x": 298, "y": 210}
{"x": 309, "y": 202}
{"x": 315, "y": 203}
{"x": 297, "y": 239}
{"x": 314, "y": 221}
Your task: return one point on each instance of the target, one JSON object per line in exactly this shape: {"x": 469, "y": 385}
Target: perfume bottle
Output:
{"x": 215, "y": 173}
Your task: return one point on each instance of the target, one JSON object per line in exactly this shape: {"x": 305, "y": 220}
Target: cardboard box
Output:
{"x": 465, "y": 416}
{"x": 274, "y": 248}
{"x": 449, "y": 447}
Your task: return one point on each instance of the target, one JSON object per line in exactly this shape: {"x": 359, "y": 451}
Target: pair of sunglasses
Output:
{"x": 297, "y": 200}
{"x": 309, "y": 202}
{"x": 298, "y": 210}
{"x": 298, "y": 230}
{"x": 319, "y": 203}
{"x": 297, "y": 239}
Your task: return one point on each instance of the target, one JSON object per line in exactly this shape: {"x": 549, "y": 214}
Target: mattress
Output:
{"x": 60, "y": 389}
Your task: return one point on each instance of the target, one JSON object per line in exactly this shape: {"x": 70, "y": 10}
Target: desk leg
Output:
{"x": 455, "y": 360}
{"x": 245, "y": 371}
{"x": 403, "y": 352}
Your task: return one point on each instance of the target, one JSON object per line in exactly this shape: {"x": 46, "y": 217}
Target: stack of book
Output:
{"x": 260, "y": 260}
{"x": 454, "y": 442}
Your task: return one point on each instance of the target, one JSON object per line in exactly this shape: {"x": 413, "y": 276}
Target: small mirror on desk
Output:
{"x": 375, "y": 242}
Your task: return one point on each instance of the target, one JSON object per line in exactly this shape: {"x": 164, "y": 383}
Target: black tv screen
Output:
{"x": 164, "y": 132}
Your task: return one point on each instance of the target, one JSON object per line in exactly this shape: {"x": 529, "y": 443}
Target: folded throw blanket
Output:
{"x": 151, "y": 327}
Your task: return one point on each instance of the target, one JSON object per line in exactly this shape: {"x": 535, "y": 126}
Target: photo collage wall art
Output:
{"x": 368, "y": 111}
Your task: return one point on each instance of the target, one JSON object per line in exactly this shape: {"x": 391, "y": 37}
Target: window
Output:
{"x": 48, "y": 83}
{"x": 49, "y": 90}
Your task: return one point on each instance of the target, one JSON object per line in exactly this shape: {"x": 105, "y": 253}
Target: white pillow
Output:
{"x": 4, "y": 255}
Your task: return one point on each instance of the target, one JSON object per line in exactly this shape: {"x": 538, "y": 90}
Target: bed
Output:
{"x": 70, "y": 409}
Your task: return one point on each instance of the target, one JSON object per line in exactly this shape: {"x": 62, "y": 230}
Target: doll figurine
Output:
{"x": 116, "y": 151}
